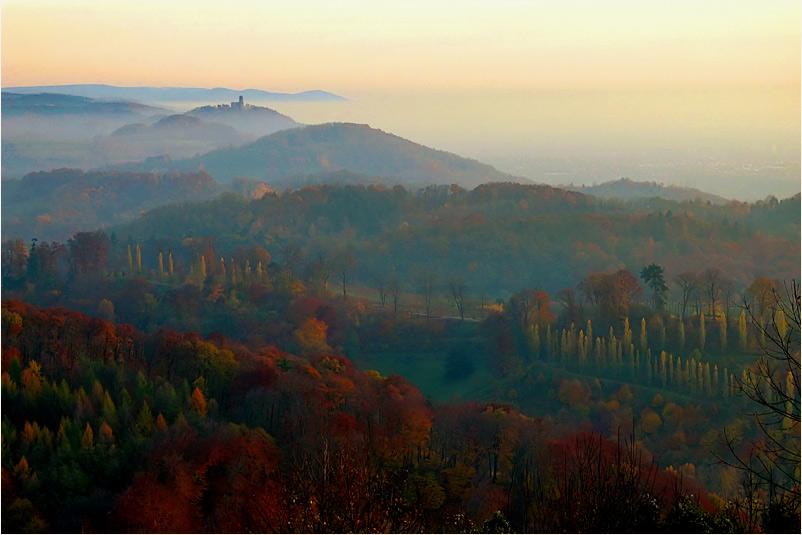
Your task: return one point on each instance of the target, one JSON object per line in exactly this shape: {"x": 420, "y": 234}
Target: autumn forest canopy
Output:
{"x": 332, "y": 329}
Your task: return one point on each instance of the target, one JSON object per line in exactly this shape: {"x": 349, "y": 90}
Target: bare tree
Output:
{"x": 567, "y": 298}
{"x": 772, "y": 383}
{"x": 457, "y": 286}
{"x": 346, "y": 264}
{"x": 382, "y": 286}
{"x": 712, "y": 280}
{"x": 324, "y": 270}
{"x": 426, "y": 283}
{"x": 394, "y": 287}
{"x": 688, "y": 283}
{"x": 727, "y": 294}
{"x": 292, "y": 257}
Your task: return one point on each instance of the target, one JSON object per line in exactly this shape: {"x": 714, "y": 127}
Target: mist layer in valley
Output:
{"x": 738, "y": 144}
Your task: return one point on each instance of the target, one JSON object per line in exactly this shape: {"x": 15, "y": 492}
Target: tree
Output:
{"x": 689, "y": 284}
{"x": 567, "y": 298}
{"x": 772, "y": 383}
{"x": 88, "y": 250}
{"x": 652, "y": 275}
{"x": 762, "y": 291}
{"x": 346, "y": 264}
{"x": 292, "y": 257}
{"x": 457, "y": 286}
{"x": 713, "y": 282}
{"x": 394, "y": 287}
{"x": 426, "y": 282}
{"x": 15, "y": 258}
{"x": 612, "y": 293}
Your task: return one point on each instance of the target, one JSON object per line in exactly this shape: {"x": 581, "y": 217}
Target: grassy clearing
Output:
{"x": 426, "y": 370}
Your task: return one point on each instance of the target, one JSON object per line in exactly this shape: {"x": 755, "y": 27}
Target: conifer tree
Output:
{"x": 198, "y": 401}
{"x": 106, "y": 435}
{"x": 144, "y": 421}
{"x": 87, "y": 439}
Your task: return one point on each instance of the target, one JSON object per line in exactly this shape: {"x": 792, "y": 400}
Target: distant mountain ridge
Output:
{"x": 174, "y": 94}
{"x": 44, "y": 103}
{"x": 627, "y": 189}
{"x": 323, "y": 149}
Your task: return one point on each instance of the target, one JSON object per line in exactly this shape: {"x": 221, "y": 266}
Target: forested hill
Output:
{"x": 498, "y": 237}
{"x": 256, "y": 121}
{"x": 339, "y": 146}
{"x": 626, "y": 188}
{"x": 54, "y": 205}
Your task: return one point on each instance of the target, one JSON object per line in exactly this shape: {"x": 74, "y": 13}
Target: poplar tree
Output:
{"x": 627, "y": 341}
{"x": 742, "y": 336}
{"x": 130, "y": 260}
{"x": 138, "y": 258}
{"x": 170, "y": 262}
{"x": 671, "y": 368}
{"x": 643, "y": 341}
{"x": 161, "y": 263}
{"x": 723, "y": 331}
{"x": 714, "y": 385}
{"x": 702, "y": 332}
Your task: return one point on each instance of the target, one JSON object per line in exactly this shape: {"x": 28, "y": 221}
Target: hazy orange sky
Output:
{"x": 355, "y": 46}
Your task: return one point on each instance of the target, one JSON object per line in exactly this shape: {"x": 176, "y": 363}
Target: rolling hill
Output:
{"x": 254, "y": 121}
{"x": 61, "y": 104}
{"x": 341, "y": 146}
{"x": 627, "y": 189}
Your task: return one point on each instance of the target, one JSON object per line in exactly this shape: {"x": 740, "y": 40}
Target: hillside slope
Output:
{"x": 337, "y": 146}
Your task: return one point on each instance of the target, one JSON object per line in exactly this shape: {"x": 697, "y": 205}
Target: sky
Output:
{"x": 510, "y": 83}
{"x": 355, "y": 46}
